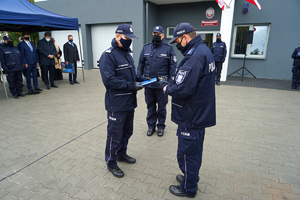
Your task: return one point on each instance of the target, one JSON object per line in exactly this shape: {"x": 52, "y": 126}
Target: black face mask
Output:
{"x": 156, "y": 39}
{"x": 179, "y": 46}
{"x": 218, "y": 39}
{"x": 125, "y": 43}
{"x": 10, "y": 43}
{"x": 26, "y": 38}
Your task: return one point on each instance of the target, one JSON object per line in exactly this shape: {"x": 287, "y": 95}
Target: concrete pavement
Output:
{"x": 52, "y": 147}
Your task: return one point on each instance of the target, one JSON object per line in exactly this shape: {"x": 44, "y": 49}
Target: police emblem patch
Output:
{"x": 175, "y": 59}
{"x": 130, "y": 29}
{"x": 180, "y": 76}
{"x": 157, "y": 27}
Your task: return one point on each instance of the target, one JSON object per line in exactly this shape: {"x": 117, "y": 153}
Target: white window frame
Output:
{"x": 233, "y": 55}
{"x": 168, "y": 32}
{"x": 205, "y": 32}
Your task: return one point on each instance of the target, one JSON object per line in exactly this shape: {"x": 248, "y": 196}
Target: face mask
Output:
{"x": 48, "y": 39}
{"x": 218, "y": 39}
{"x": 71, "y": 40}
{"x": 125, "y": 43}
{"x": 26, "y": 38}
{"x": 179, "y": 46}
{"x": 156, "y": 39}
{"x": 10, "y": 43}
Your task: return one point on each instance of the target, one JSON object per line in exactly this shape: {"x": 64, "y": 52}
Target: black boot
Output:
{"x": 117, "y": 172}
{"x": 150, "y": 132}
{"x": 126, "y": 159}
{"x": 160, "y": 132}
{"x": 176, "y": 191}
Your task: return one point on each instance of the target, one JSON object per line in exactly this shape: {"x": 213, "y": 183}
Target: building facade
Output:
{"x": 275, "y": 29}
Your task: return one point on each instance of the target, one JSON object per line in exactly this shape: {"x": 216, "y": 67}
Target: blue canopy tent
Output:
{"x": 21, "y": 15}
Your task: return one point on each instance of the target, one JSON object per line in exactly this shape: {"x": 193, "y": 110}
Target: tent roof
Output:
{"x": 21, "y": 15}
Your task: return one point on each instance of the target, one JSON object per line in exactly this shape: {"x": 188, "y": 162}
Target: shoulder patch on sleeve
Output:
{"x": 180, "y": 76}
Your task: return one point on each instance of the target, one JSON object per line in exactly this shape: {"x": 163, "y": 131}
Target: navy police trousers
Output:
{"x": 15, "y": 81}
{"x": 153, "y": 96}
{"x": 296, "y": 76}
{"x": 189, "y": 157}
{"x": 31, "y": 69}
{"x": 119, "y": 130}
{"x": 219, "y": 66}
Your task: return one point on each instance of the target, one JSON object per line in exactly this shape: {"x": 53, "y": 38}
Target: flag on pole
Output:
{"x": 255, "y": 2}
{"x": 221, "y": 4}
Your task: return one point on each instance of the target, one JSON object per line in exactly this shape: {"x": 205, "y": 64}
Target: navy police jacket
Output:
{"x": 11, "y": 59}
{"x": 296, "y": 57}
{"x": 219, "y": 51}
{"x": 156, "y": 60}
{"x": 118, "y": 75}
{"x": 193, "y": 88}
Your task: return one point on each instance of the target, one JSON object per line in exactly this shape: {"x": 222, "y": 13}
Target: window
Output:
{"x": 170, "y": 31}
{"x": 257, "y": 49}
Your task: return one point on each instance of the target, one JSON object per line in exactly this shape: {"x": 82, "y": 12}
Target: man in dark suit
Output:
{"x": 31, "y": 61}
{"x": 47, "y": 53}
{"x": 71, "y": 56}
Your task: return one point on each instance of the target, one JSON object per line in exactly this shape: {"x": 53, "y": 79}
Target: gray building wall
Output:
{"x": 170, "y": 15}
{"x": 283, "y": 37}
{"x": 93, "y": 12}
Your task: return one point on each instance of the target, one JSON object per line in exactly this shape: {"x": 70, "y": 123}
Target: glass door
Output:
{"x": 208, "y": 37}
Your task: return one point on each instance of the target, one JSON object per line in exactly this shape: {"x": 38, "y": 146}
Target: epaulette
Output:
{"x": 109, "y": 50}
{"x": 191, "y": 51}
{"x": 168, "y": 44}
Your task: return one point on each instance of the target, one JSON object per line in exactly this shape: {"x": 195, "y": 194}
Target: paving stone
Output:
{"x": 229, "y": 179}
{"x": 154, "y": 181}
{"x": 209, "y": 181}
{"x": 84, "y": 195}
{"x": 71, "y": 190}
{"x": 114, "y": 185}
{"x": 244, "y": 191}
{"x": 213, "y": 190}
{"x": 283, "y": 186}
{"x": 266, "y": 182}
{"x": 273, "y": 191}
{"x": 156, "y": 191}
{"x": 290, "y": 196}
{"x": 232, "y": 196}
{"x": 253, "y": 186}
{"x": 138, "y": 175}
{"x": 8, "y": 197}
{"x": 261, "y": 196}
{"x": 125, "y": 189}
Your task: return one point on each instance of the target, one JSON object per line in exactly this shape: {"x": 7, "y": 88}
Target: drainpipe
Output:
{"x": 147, "y": 7}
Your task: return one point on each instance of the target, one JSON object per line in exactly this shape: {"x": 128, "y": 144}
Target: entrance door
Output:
{"x": 208, "y": 37}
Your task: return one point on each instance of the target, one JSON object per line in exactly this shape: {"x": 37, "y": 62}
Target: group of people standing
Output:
{"x": 25, "y": 58}
{"x": 191, "y": 85}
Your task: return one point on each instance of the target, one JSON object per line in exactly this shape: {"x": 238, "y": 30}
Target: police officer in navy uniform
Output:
{"x": 296, "y": 69}
{"x": 157, "y": 59}
{"x": 119, "y": 77}
{"x": 219, "y": 52}
{"x": 11, "y": 62}
{"x": 193, "y": 104}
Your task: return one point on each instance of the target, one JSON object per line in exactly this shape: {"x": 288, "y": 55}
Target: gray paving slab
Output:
{"x": 52, "y": 145}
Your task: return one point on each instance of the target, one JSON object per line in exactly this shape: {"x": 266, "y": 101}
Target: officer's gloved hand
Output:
{"x": 137, "y": 86}
{"x": 162, "y": 82}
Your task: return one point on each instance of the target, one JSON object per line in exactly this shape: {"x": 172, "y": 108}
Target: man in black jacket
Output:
{"x": 296, "y": 69}
{"x": 71, "y": 55}
{"x": 47, "y": 53}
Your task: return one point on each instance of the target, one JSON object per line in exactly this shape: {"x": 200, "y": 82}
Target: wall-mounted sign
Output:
{"x": 209, "y": 23}
{"x": 210, "y": 13}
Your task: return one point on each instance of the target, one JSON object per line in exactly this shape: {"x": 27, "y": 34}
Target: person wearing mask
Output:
{"x": 12, "y": 64}
{"x": 219, "y": 51}
{"x": 296, "y": 69}
{"x": 119, "y": 78}
{"x": 71, "y": 55}
{"x": 47, "y": 53}
{"x": 157, "y": 59}
{"x": 57, "y": 70}
{"x": 31, "y": 61}
{"x": 193, "y": 104}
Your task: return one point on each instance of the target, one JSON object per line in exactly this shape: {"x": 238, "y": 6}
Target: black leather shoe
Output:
{"x": 218, "y": 83}
{"x": 160, "y": 132}
{"x": 179, "y": 178}
{"x": 38, "y": 89}
{"x": 15, "y": 96}
{"x": 47, "y": 87}
{"x": 117, "y": 172}
{"x": 21, "y": 94}
{"x": 126, "y": 159}
{"x": 150, "y": 132}
{"x": 176, "y": 191}
{"x": 71, "y": 82}
{"x": 31, "y": 92}
{"x": 76, "y": 82}
{"x": 55, "y": 86}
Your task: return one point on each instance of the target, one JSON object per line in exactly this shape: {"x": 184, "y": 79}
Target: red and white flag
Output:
{"x": 221, "y": 4}
{"x": 255, "y": 2}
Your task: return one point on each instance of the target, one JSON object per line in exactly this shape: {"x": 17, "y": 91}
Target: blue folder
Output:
{"x": 148, "y": 82}
{"x": 67, "y": 68}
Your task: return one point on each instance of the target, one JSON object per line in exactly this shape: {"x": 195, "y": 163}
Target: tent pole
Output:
{"x": 3, "y": 81}
{"x": 81, "y": 56}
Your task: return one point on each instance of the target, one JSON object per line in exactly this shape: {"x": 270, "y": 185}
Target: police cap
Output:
{"x": 126, "y": 30}
{"x": 181, "y": 29}
{"x": 158, "y": 29}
